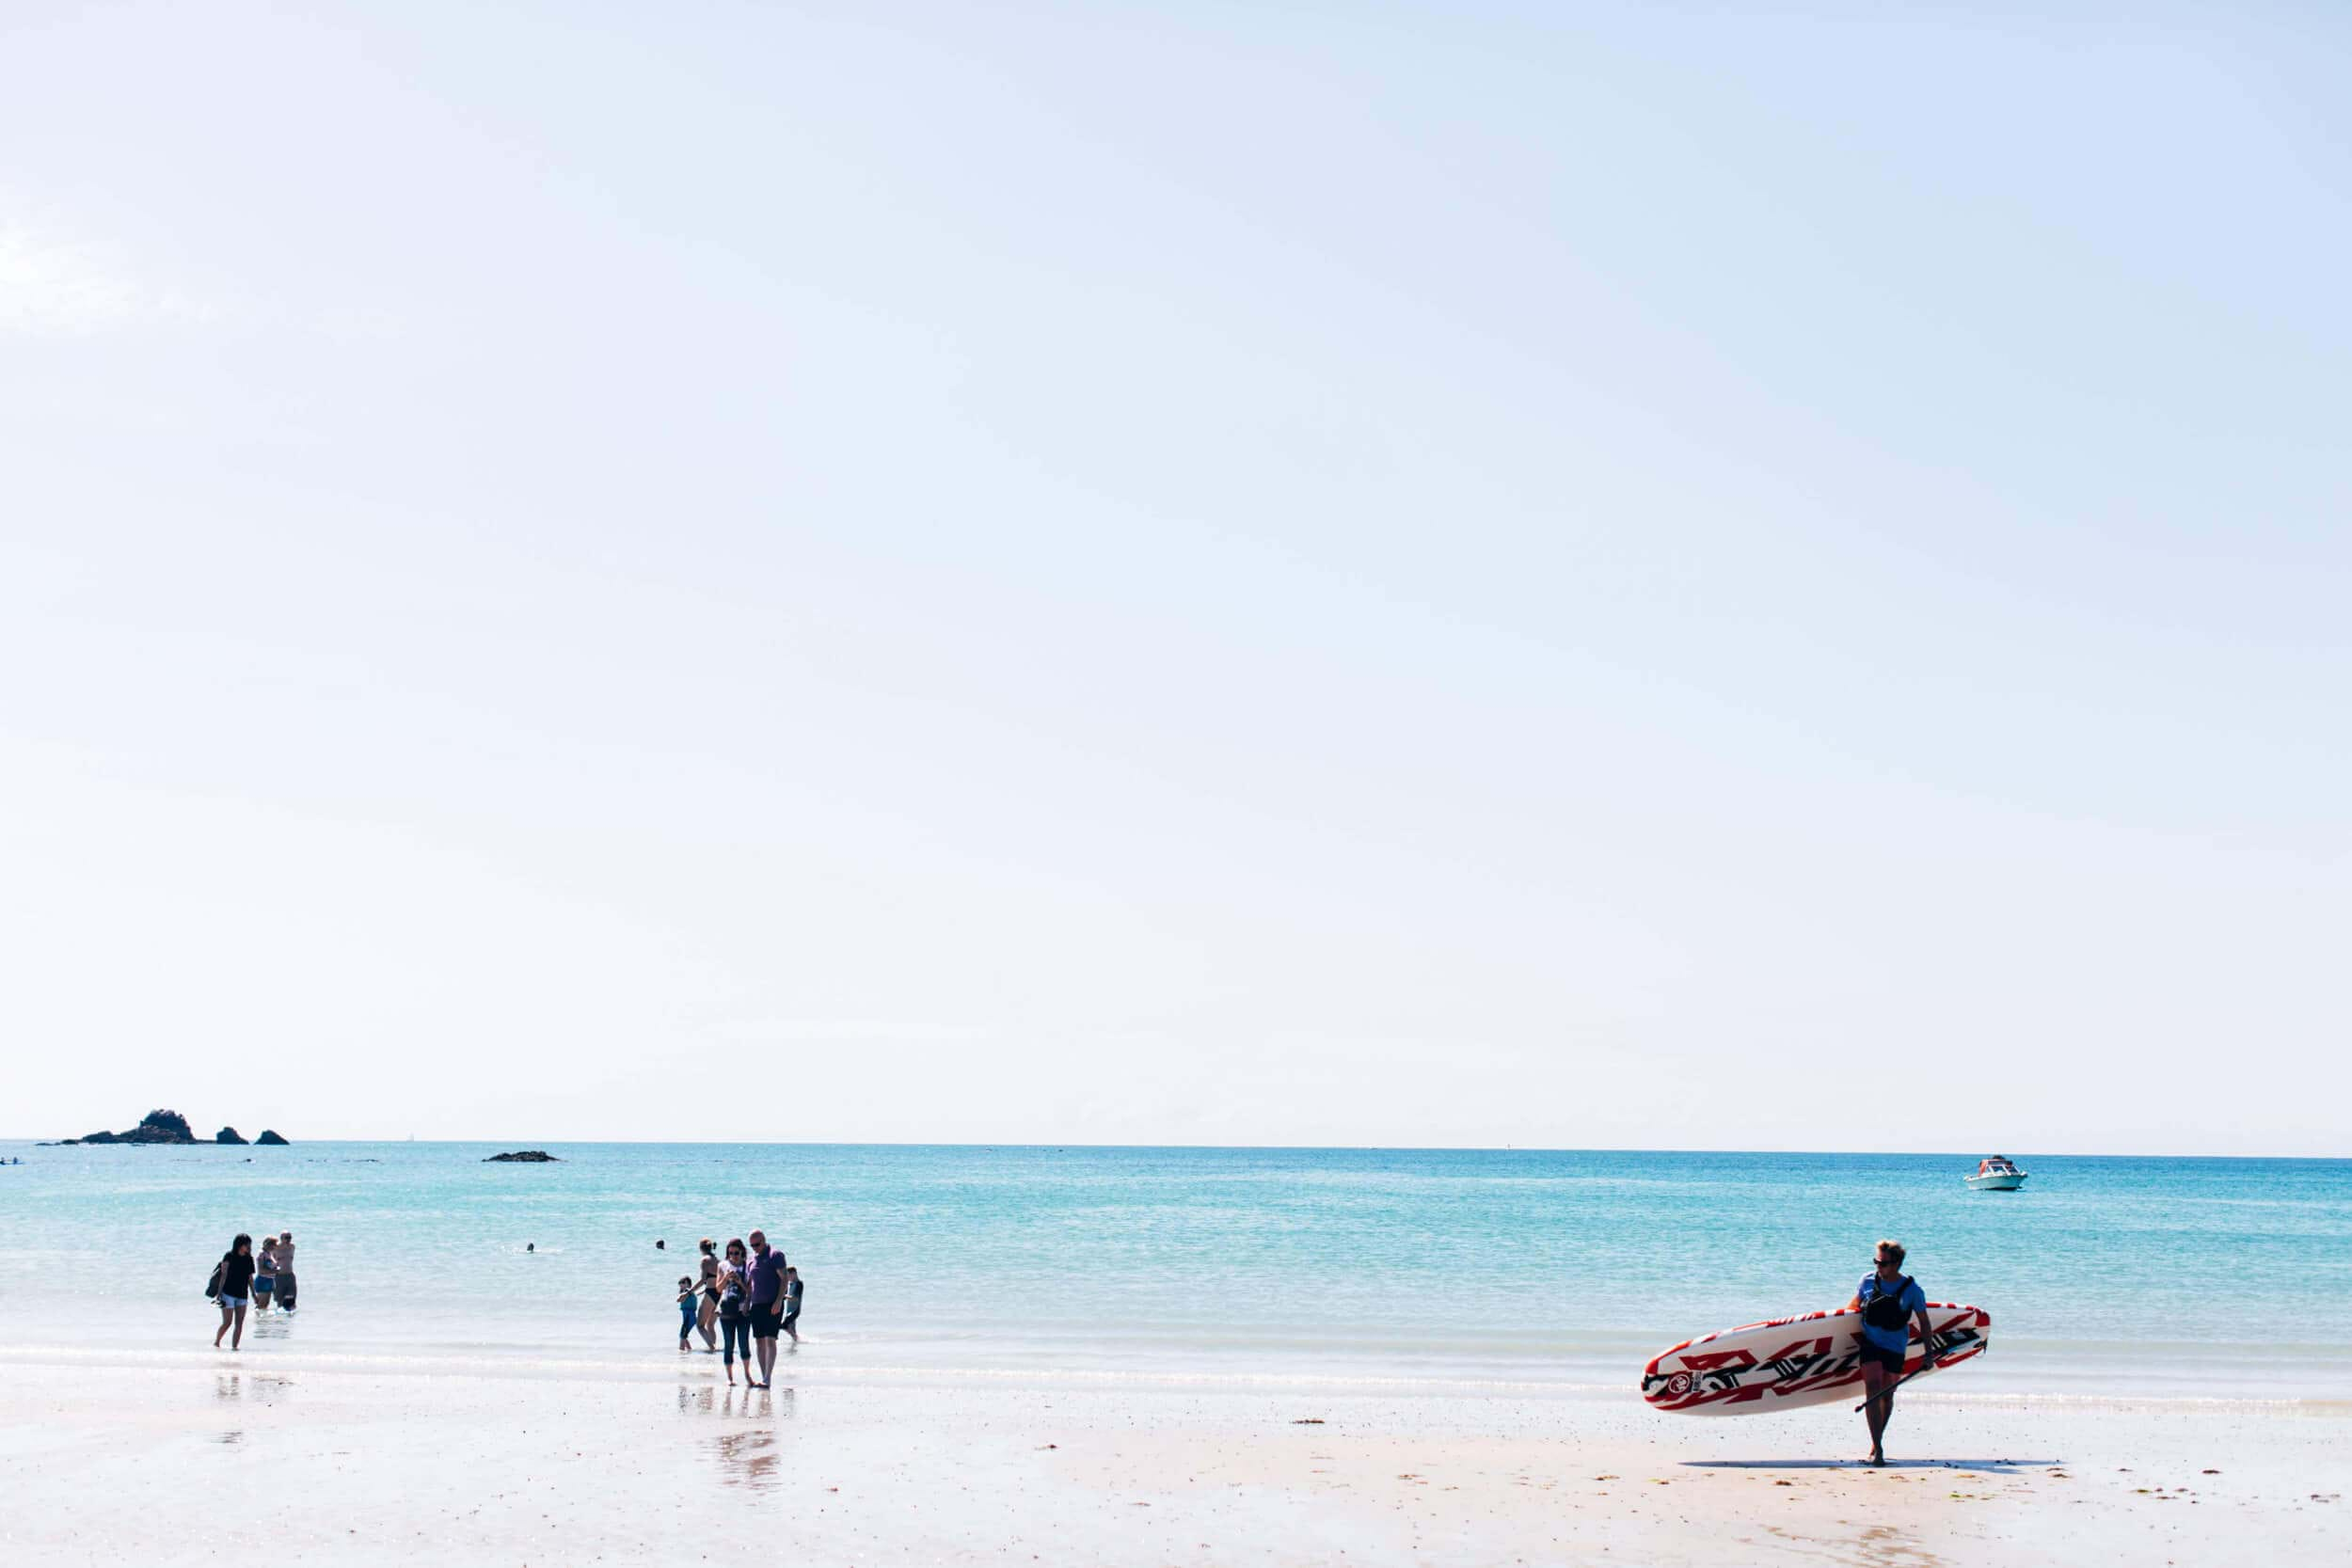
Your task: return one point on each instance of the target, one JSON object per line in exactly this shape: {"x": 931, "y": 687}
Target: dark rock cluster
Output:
{"x": 156, "y": 1127}
{"x": 166, "y": 1127}
{"x": 269, "y": 1139}
{"x": 522, "y": 1156}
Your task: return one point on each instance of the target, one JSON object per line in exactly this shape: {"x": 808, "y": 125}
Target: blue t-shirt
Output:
{"x": 1914, "y": 1300}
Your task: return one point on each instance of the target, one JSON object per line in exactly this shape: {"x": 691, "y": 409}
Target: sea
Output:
{"x": 1513, "y": 1270}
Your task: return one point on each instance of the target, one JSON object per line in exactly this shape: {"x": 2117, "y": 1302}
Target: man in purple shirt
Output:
{"x": 766, "y": 1312}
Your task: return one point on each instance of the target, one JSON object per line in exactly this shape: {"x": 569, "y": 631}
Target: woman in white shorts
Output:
{"x": 233, "y": 1278}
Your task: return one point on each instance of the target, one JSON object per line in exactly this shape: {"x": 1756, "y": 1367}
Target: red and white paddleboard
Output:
{"x": 1792, "y": 1362}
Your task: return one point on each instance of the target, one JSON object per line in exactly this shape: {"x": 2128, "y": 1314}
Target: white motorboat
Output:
{"x": 1998, "y": 1174}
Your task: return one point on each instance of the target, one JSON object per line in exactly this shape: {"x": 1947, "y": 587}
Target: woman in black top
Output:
{"x": 234, "y": 1278}
{"x": 709, "y": 1313}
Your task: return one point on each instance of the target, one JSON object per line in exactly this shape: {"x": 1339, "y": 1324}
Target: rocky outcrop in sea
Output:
{"x": 156, "y": 1127}
{"x": 269, "y": 1139}
{"x": 523, "y": 1156}
{"x": 164, "y": 1127}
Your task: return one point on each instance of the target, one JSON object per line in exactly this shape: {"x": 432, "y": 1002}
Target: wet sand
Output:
{"x": 182, "y": 1461}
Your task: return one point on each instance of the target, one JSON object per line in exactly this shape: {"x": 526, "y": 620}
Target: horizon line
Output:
{"x": 1208, "y": 1148}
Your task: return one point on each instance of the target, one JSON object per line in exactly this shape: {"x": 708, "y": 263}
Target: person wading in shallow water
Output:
{"x": 707, "y": 1312}
{"x": 285, "y": 1272}
{"x": 1888, "y": 1300}
{"x": 233, "y": 1278}
{"x": 766, "y": 1307}
{"x": 265, "y": 1274}
{"x": 733, "y": 1325}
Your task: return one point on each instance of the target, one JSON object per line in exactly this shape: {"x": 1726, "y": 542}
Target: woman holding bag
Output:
{"x": 234, "y": 1276}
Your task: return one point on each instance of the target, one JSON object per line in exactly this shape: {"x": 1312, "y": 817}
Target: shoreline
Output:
{"x": 329, "y": 1336}
{"x": 664, "y": 1367}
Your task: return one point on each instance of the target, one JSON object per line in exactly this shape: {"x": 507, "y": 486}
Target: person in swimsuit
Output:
{"x": 708, "y": 1313}
{"x": 734, "y": 1297}
{"x": 265, "y": 1274}
{"x": 1888, "y": 1301}
{"x": 234, "y": 1278}
{"x": 285, "y": 1272}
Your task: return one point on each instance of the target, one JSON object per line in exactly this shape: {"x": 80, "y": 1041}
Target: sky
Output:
{"x": 1665, "y": 576}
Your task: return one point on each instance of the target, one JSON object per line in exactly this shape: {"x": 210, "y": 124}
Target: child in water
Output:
{"x": 686, "y": 1306}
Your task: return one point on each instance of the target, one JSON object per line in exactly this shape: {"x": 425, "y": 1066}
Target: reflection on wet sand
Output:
{"x": 266, "y": 1325}
{"x": 739, "y": 1403}
{"x": 1878, "y": 1547}
{"x": 241, "y": 1387}
{"x": 748, "y": 1458}
{"x": 230, "y": 1386}
{"x": 752, "y": 1456}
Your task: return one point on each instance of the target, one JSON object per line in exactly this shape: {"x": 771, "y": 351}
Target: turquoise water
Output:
{"x": 2170, "y": 1277}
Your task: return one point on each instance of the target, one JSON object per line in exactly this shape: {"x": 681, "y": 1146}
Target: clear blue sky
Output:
{"x": 1536, "y": 574}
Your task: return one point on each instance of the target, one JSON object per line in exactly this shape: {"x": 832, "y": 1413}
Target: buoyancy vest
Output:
{"x": 1884, "y": 1310}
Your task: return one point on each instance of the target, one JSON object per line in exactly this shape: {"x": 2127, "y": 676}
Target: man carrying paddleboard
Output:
{"x": 1887, "y": 1301}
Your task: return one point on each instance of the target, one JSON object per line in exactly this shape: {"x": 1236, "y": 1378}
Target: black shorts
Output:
{"x": 763, "y": 1323}
{"x": 1890, "y": 1360}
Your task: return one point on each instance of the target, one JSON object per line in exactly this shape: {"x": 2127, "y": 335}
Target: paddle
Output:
{"x": 1925, "y": 1367}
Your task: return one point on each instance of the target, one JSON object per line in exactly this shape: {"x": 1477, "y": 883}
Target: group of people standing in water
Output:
{"x": 750, "y": 1295}
{"x": 741, "y": 1302}
{"x": 252, "y": 1278}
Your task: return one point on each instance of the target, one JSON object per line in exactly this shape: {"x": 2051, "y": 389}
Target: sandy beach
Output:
{"x": 179, "y": 1462}
{"x": 1233, "y": 751}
